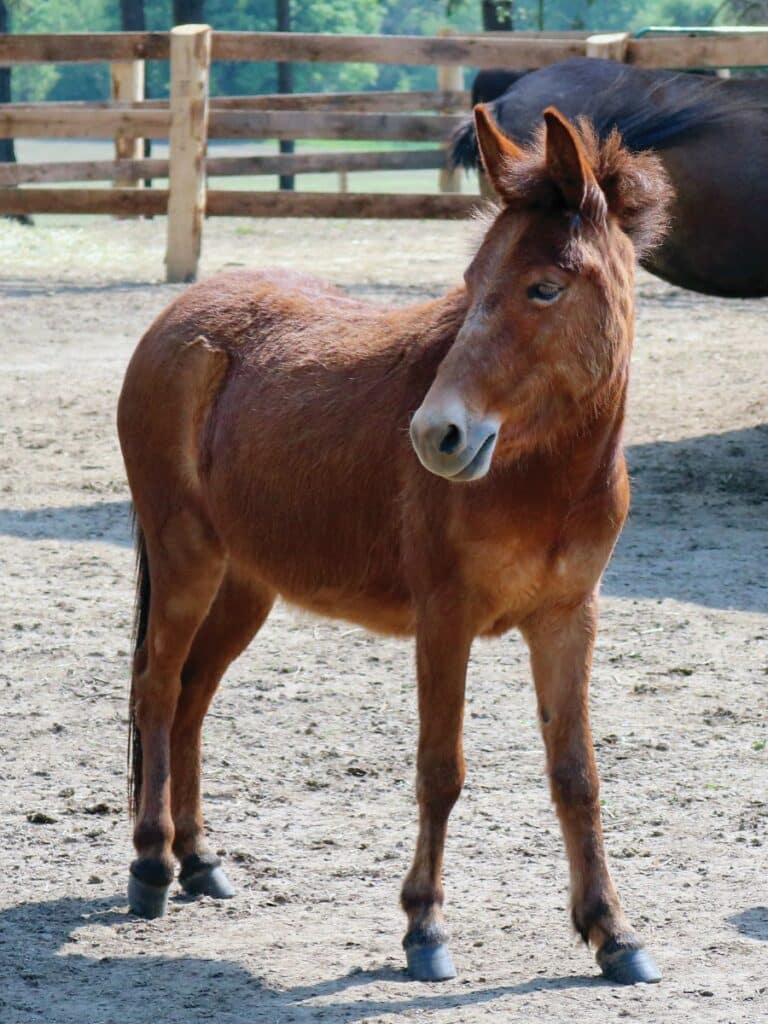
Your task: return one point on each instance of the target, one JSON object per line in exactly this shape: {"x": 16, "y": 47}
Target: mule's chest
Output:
{"x": 514, "y": 572}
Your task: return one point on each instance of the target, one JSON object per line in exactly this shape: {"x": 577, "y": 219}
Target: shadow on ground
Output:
{"x": 698, "y": 530}
{"x": 753, "y": 923}
{"x": 39, "y": 947}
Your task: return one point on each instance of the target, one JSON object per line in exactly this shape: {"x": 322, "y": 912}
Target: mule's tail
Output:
{"x": 141, "y": 618}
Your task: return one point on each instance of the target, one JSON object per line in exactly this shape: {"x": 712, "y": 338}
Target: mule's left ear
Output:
{"x": 496, "y": 150}
{"x": 569, "y": 169}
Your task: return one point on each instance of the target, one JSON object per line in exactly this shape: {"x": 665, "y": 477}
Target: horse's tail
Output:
{"x": 464, "y": 151}
{"x": 141, "y": 618}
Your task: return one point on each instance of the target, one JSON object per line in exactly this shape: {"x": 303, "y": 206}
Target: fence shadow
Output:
{"x": 698, "y": 530}
{"x": 63, "y": 986}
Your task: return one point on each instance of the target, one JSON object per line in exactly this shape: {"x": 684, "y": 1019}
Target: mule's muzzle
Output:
{"x": 451, "y": 443}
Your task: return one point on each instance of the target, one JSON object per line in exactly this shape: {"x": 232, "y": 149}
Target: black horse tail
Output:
{"x": 488, "y": 86}
{"x": 464, "y": 151}
{"x": 491, "y": 83}
{"x": 140, "y": 621}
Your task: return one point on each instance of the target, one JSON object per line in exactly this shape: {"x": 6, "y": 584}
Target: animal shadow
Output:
{"x": 51, "y": 978}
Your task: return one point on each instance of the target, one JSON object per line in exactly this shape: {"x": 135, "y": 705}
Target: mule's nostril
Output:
{"x": 451, "y": 440}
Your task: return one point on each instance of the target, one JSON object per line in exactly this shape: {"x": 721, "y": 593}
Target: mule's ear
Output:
{"x": 496, "y": 150}
{"x": 569, "y": 169}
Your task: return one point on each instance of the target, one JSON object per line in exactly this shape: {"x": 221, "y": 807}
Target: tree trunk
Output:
{"x": 285, "y": 84}
{"x": 497, "y": 15}
{"x": 7, "y": 150}
{"x": 188, "y": 12}
{"x": 133, "y": 19}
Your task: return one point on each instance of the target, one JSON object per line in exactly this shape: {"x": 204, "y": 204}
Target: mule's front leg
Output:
{"x": 561, "y": 643}
{"x": 442, "y": 652}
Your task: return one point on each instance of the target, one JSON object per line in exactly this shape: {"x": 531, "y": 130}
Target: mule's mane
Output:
{"x": 635, "y": 185}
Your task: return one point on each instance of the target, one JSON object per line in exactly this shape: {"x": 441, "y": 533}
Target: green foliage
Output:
{"x": 400, "y": 17}
{"x": 70, "y": 81}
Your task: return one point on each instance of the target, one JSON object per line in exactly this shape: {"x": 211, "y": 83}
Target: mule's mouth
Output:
{"x": 480, "y": 462}
{"x": 451, "y": 442}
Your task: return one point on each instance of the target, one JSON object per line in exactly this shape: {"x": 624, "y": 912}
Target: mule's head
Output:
{"x": 547, "y": 337}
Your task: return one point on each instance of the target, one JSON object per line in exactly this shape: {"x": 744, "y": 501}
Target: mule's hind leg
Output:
{"x": 236, "y": 615}
{"x": 185, "y": 565}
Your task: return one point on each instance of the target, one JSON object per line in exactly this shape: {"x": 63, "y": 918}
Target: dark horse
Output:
{"x": 449, "y": 470}
{"x": 710, "y": 133}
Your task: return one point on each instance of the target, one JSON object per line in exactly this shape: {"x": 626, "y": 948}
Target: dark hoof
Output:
{"x": 629, "y": 967}
{"x": 208, "y": 881}
{"x": 146, "y": 900}
{"x": 430, "y": 963}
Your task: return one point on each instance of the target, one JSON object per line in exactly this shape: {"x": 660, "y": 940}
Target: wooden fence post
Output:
{"x": 127, "y": 87}
{"x": 608, "y": 45}
{"x": 450, "y": 78}
{"x": 190, "y": 63}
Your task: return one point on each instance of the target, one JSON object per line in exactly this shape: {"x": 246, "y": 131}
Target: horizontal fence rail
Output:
{"x": 289, "y": 124}
{"x": 219, "y": 203}
{"x": 518, "y": 50}
{"x": 190, "y": 117}
{"x": 222, "y": 166}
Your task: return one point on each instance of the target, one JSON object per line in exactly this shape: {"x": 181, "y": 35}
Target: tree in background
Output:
{"x": 188, "y": 12}
{"x": 409, "y": 17}
{"x": 132, "y": 16}
{"x": 133, "y": 19}
{"x": 497, "y": 15}
{"x": 7, "y": 149}
{"x": 285, "y": 84}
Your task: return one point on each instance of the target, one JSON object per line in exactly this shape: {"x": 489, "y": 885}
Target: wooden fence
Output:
{"x": 190, "y": 118}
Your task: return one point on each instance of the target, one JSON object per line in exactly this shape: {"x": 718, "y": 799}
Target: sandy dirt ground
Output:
{"x": 310, "y": 744}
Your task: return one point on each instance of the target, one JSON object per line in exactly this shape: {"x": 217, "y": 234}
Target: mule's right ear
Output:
{"x": 496, "y": 150}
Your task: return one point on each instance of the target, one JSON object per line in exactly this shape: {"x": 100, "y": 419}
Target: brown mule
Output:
{"x": 450, "y": 470}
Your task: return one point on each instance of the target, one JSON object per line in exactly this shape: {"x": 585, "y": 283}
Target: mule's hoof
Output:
{"x": 146, "y": 900}
{"x": 629, "y": 967}
{"x": 208, "y": 881}
{"x": 430, "y": 963}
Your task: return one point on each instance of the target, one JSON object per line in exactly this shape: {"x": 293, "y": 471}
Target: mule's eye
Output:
{"x": 544, "y": 292}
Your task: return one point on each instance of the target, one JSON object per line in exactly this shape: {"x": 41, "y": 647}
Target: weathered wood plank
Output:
{"x": 121, "y": 202}
{"x": 292, "y": 124}
{"x": 146, "y": 202}
{"x": 335, "y": 204}
{"x": 52, "y": 120}
{"x": 360, "y": 102}
{"x": 740, "y": 49}
{"x": 81, "y": 170}
{"x": 474, "y": 51}
{"x": 127, "y": 87}
{"x": 190, "y": 63}
{"x": 57, "y": 121}
{"x": 519, "y": 50}
{"x": 357, "y": 102}
{"x": 83, "y": 47}
{"x": 222, "y": 166}
{"x": 608, "y": 45}
{"x": 450, "y": 78}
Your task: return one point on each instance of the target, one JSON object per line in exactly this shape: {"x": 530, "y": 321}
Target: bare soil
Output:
{"x": 310, "y": 744}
